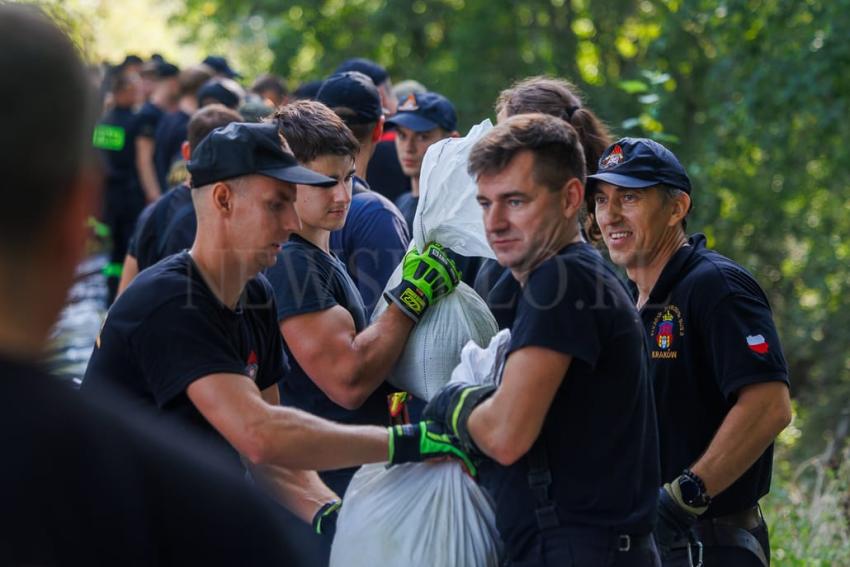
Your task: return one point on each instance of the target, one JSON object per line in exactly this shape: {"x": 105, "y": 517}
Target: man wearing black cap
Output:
{"x": 570, "y": 431}
{"x": 195, "y": 338}
{"x": 721, "y": 381}
{"x": 221, "y": 67}
{"x": 374, "y": 238}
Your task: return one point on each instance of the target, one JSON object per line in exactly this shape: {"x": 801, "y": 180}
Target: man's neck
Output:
{"x": 414, "y": 186}
{"x": 646, "y": 274}
{"x": 570, "y": 236}
{"x": 361, "y": 162}
{"x": 188, "y": 104}
{"x": 223, "y": 273}
{"x": 318, "y": 237}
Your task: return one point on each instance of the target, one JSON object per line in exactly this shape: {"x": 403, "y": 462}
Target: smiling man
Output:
{"x": 339, "y": 363}
{"x": 720, "y": 379}
{"x": 569, "y": 434}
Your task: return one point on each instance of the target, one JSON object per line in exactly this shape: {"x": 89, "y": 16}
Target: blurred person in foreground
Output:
{"x": 720, "y": 378}
{"x": 85, "y": 484}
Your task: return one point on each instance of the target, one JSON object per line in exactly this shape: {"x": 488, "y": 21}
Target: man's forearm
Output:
{"x": 380, "y": 345}
{"x": 296, "y": 439}
{"x": 300, "y": 491}
{"x": 146, "y": 170}
{"x": 759, "y": 415}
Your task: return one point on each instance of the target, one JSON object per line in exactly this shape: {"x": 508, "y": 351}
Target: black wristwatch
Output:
{"x": 693, "y": 490}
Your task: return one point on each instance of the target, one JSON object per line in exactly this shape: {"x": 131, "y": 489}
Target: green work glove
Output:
{"x": 324, "y": 522}
{"x": 425, "y": 440}
{"x": 425, "y": 278}
{"x": 452, "y": 406}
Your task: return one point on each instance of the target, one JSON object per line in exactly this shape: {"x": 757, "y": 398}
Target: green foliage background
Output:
{"x": 752, "y": 95}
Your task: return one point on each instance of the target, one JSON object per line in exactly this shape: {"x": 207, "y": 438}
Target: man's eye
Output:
{"x": 599, "y": 200}
{"x": 514, "y": 202}
{"x": 630, "y": 197}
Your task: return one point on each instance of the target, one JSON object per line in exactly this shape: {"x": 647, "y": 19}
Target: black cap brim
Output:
{"x": 413, "y": 122}
{"x": 622, "y": 180}
{"x": 299, "y": 174}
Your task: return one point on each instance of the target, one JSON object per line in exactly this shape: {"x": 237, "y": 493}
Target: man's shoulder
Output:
{"x": 718, "y": 276}
{"x": 171, "y": 281}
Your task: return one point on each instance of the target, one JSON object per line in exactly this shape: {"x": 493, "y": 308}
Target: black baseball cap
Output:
{"x": 354, "y": 90}
{"x": 425, "y": 111}
{"x": 368, "y": 67}
{"x": 241, "y": 148}
{"x": 220, "y": 65}
{"x": 219, "y": 92}
{"x": 638, "y": 163}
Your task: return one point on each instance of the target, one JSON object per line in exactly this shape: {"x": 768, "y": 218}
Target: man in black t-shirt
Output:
{"x": 163, "y": 99}
{"x": 570, "y": 431}
{"x": 195, "y": 339}
{"x": 339, "y": 364}
{"x": 720, "y": 378}
{"x": 83, "y": 483}
{"x": 168, "y": 225}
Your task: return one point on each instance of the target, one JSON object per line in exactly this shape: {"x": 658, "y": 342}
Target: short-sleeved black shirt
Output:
{"x": 121, "y": 158}
{"x": 169, "y": 136}
{"x": 165, "y": 227}
{"x": 90, "y": 483}
{"x": 305, "y": 279}
{"x": 168, "y": 329}
{"x": 148, "y": 119}
{"x": 600, "y": 433}
{"x": 710, "y": 332}
{"x": 499, "y": 289}
{"x": 372, "y": 242}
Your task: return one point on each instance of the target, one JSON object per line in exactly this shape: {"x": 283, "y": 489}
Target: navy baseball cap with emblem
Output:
{"x": 354, "y": 90}
{"x": 425, "y": 111}
{"x": 638, "y": 163}
{"x": 244, "y": 149}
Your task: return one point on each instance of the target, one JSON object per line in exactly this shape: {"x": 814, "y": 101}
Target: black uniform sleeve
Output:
{"x": 553, "y": 313}
{"x": 743, "y": 344}
{"x": 300, "y": 282}
{"x": 177, "y": 344}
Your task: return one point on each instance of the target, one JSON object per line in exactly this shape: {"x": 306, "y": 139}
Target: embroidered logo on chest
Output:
{"x": 667, "y": 329}
{"x": 251, "y": 366}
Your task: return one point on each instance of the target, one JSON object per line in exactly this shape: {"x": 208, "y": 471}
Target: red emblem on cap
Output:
{"x": 757, "y": 344}
{"x": 409, "y": 104}
{"x": 612, "y": 159}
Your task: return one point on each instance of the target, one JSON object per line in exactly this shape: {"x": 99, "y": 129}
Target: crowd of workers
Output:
{"x": 253, "y": 234}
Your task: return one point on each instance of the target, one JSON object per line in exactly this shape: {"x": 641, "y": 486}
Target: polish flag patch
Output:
{"x": 757, "y": 344}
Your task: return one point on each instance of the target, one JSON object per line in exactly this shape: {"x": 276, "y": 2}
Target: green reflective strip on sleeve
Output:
{"x": 109, "y": 137}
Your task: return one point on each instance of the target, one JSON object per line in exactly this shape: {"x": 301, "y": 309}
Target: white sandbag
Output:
{"x": 434, "y": 346}
{"x": 423, "y": 514}
{"x": 416, "y": 515}
{"x": 447, "y": 213}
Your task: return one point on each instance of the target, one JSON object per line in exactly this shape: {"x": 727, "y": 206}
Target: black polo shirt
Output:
{"x": 306, "y": 279}
{"x": 599, "y": 434}
{"x": 148, "y": 119}
{"x": 168, "y": 329}
{"x": 165, "y": 227}
{"x": 710, "y": 333}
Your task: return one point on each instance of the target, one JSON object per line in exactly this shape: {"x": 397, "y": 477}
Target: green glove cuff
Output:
{"x": 328, "y": 510}
{"x": 467, "y": 401}
{"x": 424, "y": 440}
{"x": 426, "y": 277}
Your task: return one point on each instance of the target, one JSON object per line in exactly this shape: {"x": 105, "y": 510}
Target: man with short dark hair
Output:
{"x": 570, "y": 429}
{"x": 195, "y": 339}
{"x": 374, "y": 238}
{"x": 720, "y": 378}
{"x": 163, "y": 99}
{"x": 271, "y": 89}
{"x": 339, "y": 361}
{"x": 168, "y": 225}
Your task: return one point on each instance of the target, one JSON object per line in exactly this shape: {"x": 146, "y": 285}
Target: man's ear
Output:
{"x": 572, "y": 197}
{"x": 185, "y": 151}
{"x": 222, "y": 196}
{"x": 454, "y": 134}
{"x": 680, "y": 208}
{"x": 378, "y": 131}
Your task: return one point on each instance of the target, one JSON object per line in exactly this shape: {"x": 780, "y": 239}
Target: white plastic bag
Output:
{"x": 449, "y": 214}
{"x": 448, "y": 211}
{"x": 423, "y": 514}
